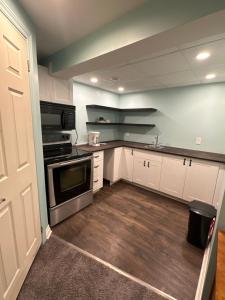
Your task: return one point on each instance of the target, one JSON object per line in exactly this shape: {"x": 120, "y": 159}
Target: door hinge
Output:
{"x": 28, "y": 65}
{"x": 41, "y": 229}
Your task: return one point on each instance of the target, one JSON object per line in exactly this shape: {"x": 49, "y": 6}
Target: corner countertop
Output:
{"x": 210, "y": 156}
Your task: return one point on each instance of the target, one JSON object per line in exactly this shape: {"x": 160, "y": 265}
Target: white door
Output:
{"x": 127, "y": 164}
{"x": 20, "y": 235}
{"x": 200, "y": 181}
{"x": 153, "y": 174}
{"x": 140, "y": 171}
{"x": 173, "y": 175}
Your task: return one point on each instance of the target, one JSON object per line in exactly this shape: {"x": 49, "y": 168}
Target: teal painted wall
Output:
{"x": 84, "y": 95}
{"x": 21, "y": 18}
{"x": 183, "y": 114}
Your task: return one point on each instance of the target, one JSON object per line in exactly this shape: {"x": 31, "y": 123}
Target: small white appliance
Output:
{"x": 93, "y": 138}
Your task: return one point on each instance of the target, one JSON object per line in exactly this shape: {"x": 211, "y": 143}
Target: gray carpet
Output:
{"x": 62, "y": 272}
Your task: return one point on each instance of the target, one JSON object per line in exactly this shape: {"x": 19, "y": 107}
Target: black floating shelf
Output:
{"x": 95, "y": 106}
{"x": 124, "y": 124}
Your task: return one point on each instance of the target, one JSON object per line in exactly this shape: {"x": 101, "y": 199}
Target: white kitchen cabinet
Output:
{"x": 46, "y": 88}
{"x": 153, "y": 174}
{"x": 53, "y": 89}
{"x": 140, "y": 171}
{"x": 98, "y": 170}
{"x": 147, "y": 169}
{"x": 173, "y": 175}
{"x": 200, "y": 182}
{"x": 127, "y": 164}
{"x": 113, "y": 164}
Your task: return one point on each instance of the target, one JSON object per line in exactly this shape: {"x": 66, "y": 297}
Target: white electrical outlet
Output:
{"x": 198, "y": 140}
{"x": 127, "y": 134}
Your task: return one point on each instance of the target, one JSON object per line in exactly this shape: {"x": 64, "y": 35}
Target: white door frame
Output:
{"x": 22, "y": 28}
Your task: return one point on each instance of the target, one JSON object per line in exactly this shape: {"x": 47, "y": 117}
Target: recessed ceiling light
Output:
{"x": 120, "y": 89}
{"x": 203, "y": 55}
{"x": 94, "y": 79}
{"x": 210, "y": 76}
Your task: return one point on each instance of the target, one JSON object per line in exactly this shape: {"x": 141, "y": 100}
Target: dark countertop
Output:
{"x": 216, "y": 157}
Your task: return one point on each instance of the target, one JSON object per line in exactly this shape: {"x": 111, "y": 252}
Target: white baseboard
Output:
{"x": 48, "y": 232}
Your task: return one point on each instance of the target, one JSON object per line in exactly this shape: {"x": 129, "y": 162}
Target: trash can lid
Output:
{"x": 202, "y": 208}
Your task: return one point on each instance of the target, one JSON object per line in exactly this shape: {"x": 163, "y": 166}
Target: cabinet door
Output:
{"x": 117, "y": 164}
{"x": 127, "y": 164}
{"x": 46, "y": 88}
{"x": 62, "y": 91}
{"x": 173, "y": 176}
{"x": 140, "y": 171}
{"x": 201, "y": 181}
{"x": 153, "y": 174}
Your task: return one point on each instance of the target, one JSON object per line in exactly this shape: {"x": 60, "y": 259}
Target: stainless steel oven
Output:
{"x": 69, "y": 187}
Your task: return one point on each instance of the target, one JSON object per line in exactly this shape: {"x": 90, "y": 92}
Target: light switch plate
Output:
{"x": 198, "y": 140}
{"x": 127, "y": 134}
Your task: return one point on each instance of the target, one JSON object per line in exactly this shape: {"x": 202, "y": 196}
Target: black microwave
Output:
{"x": 55, "y": 116}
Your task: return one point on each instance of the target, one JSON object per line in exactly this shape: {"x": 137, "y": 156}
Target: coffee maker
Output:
{"x": 93, "y": 138}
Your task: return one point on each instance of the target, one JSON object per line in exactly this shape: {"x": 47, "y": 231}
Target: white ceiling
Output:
{"x": 178, "y": 68}
{"x": 62, "y": 22}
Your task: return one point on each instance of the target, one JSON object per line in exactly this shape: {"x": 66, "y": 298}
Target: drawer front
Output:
{"x": 98, "y": 175}
{"x": 98, "y": 156}
{"x": 149, "y": 155}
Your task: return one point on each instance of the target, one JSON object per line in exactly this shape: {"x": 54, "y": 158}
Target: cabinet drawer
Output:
{"x": 148, "y": 155}
{"x": 98, "y": 156}
{"x": 98, "y": 175}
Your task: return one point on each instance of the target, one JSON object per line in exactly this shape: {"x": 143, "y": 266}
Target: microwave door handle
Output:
{"x": 63, "y": 120}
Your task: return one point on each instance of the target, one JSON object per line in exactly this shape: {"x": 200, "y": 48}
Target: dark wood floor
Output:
{"x": 141, "y": 233}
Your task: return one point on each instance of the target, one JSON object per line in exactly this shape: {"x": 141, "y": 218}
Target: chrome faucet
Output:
{"x": 156, "y": 141}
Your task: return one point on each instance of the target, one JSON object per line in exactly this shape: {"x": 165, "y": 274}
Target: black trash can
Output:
{"x": 201, "y": 219}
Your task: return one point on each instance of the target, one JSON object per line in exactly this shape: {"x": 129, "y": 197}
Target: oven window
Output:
{"x": 72, "y": 178}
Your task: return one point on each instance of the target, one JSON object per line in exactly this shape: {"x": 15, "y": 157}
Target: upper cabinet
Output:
{"x": 54, "y": 89}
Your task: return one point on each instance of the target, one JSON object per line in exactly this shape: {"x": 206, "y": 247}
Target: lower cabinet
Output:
{"x": 147, "y": 169}
{"x": 98, "y": 170}
{"x": 127, "y": 164}
{"x": 139, "y": 171}
{"x": 113, "y": 164}
{"x": 173, "y": 175}
{"x": 189, "y": 179}
{"x": 200, "y": 181}
{"x": 180, "y": 177}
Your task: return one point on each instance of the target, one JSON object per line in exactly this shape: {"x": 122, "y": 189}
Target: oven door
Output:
{"x": 68, "y": 180}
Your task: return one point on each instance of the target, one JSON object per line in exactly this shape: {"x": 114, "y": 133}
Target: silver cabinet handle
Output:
{"x": 97, "y": 156}
{"x": 96, "y": 167}
{"x": 148, "y": 164}
{"x": 144, "y": 163}
{"x": 95, "y": 181}
{"x": 184, "y": 161}
{"x": 190, "y": 162}
{"x": 2, "y": 200}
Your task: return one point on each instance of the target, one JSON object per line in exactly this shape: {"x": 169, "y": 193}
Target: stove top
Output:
{"x": 62, "y": 152}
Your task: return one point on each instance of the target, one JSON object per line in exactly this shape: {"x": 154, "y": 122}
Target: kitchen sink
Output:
{"x": 151, "y": 146}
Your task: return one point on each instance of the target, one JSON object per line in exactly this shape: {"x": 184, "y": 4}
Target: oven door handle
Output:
{"x": 70, "y": 162}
